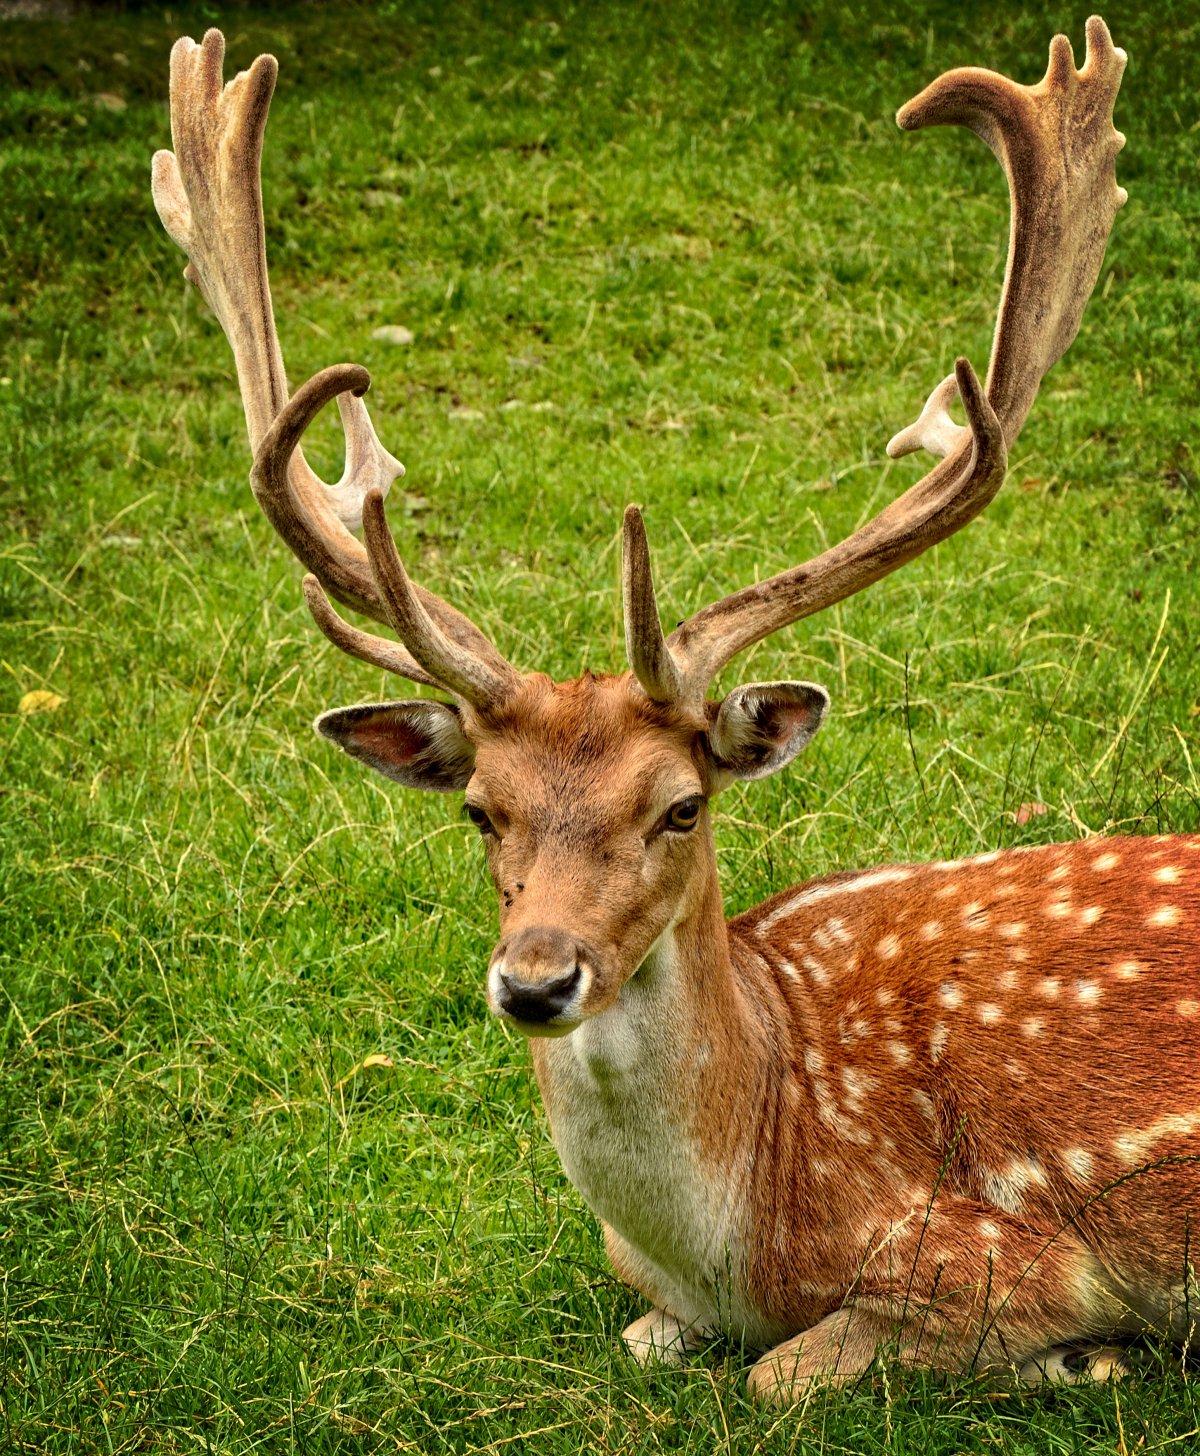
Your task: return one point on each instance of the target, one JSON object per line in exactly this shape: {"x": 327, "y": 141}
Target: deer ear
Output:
{"x": 761, "y": 727}
{"x": 419, "y": 744}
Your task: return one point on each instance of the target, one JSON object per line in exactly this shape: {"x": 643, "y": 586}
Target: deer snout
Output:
{"x": 539, "y": 977}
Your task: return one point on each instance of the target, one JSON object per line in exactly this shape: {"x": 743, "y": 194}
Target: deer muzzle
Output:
{"x": 539, "y": 980}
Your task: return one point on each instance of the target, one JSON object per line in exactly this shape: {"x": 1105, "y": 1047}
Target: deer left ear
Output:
{"x": 761, "y": 727}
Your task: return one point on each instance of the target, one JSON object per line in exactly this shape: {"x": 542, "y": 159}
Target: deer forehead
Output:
{"x": 594, "y": 741}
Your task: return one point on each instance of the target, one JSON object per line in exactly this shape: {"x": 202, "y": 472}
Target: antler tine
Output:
{"x": 378, "y": 651}
{"x": 357, "y": 579}
{"x": 1057, "y": 145}
{"x": 466, "y": 675}
{"x": 954, "y": 492}
{"x": 652, "y": 663}
{"x": 209, "y": 196}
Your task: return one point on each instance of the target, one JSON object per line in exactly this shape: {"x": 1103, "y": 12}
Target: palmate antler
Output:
{"x": 1058, "y": 147}
{"x": 209, "y": 197}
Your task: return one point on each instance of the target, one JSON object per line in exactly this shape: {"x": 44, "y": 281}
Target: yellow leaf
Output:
{"x": 376, "y": 1059}
{"x": 39, "y": 701}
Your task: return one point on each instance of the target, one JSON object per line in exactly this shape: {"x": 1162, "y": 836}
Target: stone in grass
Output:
{"x": 392, "y": 334}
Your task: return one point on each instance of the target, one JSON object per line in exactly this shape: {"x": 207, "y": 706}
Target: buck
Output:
{"x": 949, "y": 1111}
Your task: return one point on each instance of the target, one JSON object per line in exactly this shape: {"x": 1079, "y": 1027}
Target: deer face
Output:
{"x": 592, "y": 804}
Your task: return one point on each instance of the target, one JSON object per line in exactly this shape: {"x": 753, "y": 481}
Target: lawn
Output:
{"x": 270, "y": 1178}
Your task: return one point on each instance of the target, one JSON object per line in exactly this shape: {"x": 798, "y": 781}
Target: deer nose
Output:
{"x": 538, "y": 974}
{"x": 537, "y": 1001}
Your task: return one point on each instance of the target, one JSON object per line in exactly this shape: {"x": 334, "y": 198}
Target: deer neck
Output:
{"x": 682, "y": 1011}
{"x": 638, "y": 1099}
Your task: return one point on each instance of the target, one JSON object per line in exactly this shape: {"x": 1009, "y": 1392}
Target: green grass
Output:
{"x": 693, "y": 236}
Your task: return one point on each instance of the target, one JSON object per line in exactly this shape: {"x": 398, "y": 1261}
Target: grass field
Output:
{"x": 270, "y": 1179}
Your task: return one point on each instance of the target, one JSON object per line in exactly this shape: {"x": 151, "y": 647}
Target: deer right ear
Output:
{"x": 419, "y": 743}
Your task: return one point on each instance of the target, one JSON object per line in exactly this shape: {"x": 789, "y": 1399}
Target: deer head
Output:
{"x": 592, "y": 796}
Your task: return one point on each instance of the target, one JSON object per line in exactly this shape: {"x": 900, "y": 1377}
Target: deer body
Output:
{"x": 961, "y": 1097}
{"x": 945, "y": 1109}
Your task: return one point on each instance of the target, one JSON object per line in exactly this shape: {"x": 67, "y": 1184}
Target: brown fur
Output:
{"x": 959, "y": 1100}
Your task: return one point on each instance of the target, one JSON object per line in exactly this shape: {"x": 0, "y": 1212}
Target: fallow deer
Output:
{"x": 949, "y": 1110}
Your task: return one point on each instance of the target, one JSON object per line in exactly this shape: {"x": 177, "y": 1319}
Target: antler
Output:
{"x": 1058, "y": 148}
{"x": 208, "y": 194}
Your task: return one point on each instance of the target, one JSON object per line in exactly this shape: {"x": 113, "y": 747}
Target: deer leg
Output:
{"x": 955, "y": 1287}
{"x": 1065, "y": 1365}
{"x": 658, "y": 1338}
{"x": 834, "y": 1352}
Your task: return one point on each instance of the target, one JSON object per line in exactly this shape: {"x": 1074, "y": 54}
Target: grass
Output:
{"x": 270, "y": 1179}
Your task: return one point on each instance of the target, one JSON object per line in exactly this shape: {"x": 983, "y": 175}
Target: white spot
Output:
{"x": 1078, "y": 1162}
{"x": 1091, "y": 914}
{"x": 900, "y": 1054}
{"x": 947, "y": 890}
{"x": 849, "y": 1131}
{"x": 857, "y": 1084}
{"x": 1018, "y": 953}
{"x": 1015, "y": 1070}
{"x": 1050, "y": 987}
{"x": 924, "y": 1105}
{"x": 826, "y": 1108}
{"x": 1164, "y": 917}
{"x": 950, "y": 995}
{"x": 814, "y": 1062}
{"x": 815, "y": 969}
{"x": 1008, "y": 979}
{"x": 1058, "y": 909}
{"x": 1127, "y": 970}
{"x": 1007, "y": 1189}
{"x": 889, "y": 947}
{"x": 1133, "y": 1147}
{"x": 789, "y": 970}
{"x": 1168, "y": 875}
{"x": 931, "y": 930}
{"x": 1188, "y": 1008}
{"x": 867, "y": 881}
{"x": 884, "y": 997}
{"x": 937, "y": 1042}
{"x": 1106, "y": 862}
{"x": 1033, "y": 1026}
{"x": 1013, "y": 931}
{"x": 1059, "y": 872}
{"x": 822, "y": 939}
{"x": 975, "y": 916}
{"x": 989, "y": 1013}
{"x": 837, "y": 929}
{"x": 1087, "y": 992}
{"x": 989, "y": 1230}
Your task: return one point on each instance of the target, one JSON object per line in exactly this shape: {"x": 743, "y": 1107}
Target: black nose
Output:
{"x": 537, "y": 1002}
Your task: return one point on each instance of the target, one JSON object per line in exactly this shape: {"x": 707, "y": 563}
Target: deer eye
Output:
{"x": 683, "y": 816}
{"x": 480, "y": 820}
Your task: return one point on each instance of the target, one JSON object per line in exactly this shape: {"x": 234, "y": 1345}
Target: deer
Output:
{"x": 945, "y": 1113}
